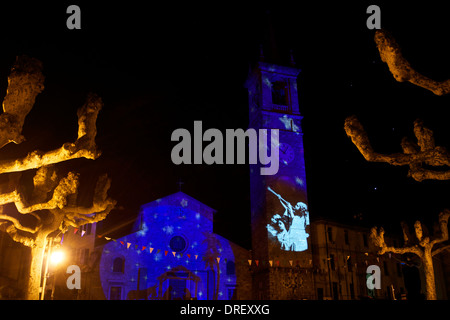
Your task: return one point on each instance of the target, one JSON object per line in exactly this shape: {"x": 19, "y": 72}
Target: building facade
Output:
{"x": 173, "y": 254}
{"x": 341, "y": 256}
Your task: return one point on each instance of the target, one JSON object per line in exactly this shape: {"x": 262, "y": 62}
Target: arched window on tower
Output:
{"x": 118, "y": 265}
{"x": 280, "y": 96}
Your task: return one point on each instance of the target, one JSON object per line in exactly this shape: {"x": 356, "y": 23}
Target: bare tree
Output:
{"x": 51, "y": 204}
{"x": 415, "y": 155}
{"x": 419, "y": 156}
{"x": 422, "y": 246}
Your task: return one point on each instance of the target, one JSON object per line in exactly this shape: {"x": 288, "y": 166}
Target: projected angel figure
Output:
{"x": 290, "y": 228}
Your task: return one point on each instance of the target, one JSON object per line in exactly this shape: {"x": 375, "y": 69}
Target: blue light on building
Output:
{"x": 187, "y": 259}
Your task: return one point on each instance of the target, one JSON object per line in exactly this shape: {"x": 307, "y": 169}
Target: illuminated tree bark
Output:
{"x": 423, "y": 247}
{"x": 400, "y": 67}
{"x": 415, "y": 155}
{"x": 52, "y": 203}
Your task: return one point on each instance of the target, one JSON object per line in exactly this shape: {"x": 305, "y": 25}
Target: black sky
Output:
{"x": 159, "y": 68}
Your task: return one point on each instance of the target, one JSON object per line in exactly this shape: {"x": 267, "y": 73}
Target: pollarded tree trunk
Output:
{"x": 430, "y": 284}
{"x": 37, "y": 257}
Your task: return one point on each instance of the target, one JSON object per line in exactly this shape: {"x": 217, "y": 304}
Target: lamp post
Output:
{"x": 55, "y": 257}
{"x": 44, "y": 283}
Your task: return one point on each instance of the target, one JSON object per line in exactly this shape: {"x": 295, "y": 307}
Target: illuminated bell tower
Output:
{"x": 279, "y": 214}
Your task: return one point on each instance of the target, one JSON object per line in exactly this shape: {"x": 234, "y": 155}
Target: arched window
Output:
{"x": 230, "y": 268}
{"x": 118, "y": 265}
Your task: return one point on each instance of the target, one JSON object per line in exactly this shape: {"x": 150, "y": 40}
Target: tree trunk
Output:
{"x": 37, "y": 257}
{"x": 430, "y": 284}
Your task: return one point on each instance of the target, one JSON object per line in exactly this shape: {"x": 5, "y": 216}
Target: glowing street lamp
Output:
{"x": 57, "y": 257}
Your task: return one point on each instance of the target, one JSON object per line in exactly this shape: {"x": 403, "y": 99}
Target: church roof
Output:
{"x": 181, "y": 199}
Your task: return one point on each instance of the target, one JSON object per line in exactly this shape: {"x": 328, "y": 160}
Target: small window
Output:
{"x": 346, "y": 237}
{"x": 385, "y": 267}
{"x": 332, "y": 264}
{"x": 349, "y": 264}
{"x": 399, "y": 269}
{"x": 115, "y": 293}
{"x": 118, "y": 265}
{"x": 352, "y": 291}
{"x": 330, "y": 234}
{"x": 280, "y": 93}
{"x": 231, "y": 270}
{"x": 365, "y": 242}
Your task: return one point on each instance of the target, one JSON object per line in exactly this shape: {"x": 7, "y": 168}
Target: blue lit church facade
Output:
{"x": 174, "y": 254}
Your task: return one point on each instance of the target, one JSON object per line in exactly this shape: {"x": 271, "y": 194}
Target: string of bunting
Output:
{"x": 249, "y": 262}
{"x": 151, "y": 249}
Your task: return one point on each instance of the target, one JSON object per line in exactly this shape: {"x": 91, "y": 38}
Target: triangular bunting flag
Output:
{"x": 257, "y": 262}
{"x": 174, "y": 253}
{"x": 151, "y": 250}
{"x": 128, "y": 245}
{"x": 143, "y": 248}
{"x": 135, "y": 247}
{"x": 181, "y": 255}
{"x": 278, "y": 263}
{"x": 165, "y": 252}
{"x": 99, "y": 236}
{"x": 249, "y": 262}
{"x": 108, "y": 238}
{"x": 290, "y": 262}
{"x": 196, "y": 256}
{"x": 83, "y": 232}
{"x": 189, "y": 255}
{"x": 218, "y": 259}
{"x": 271, "y": 262}
{"x": 158, "y": 251}
{"x": 75, "y": 230}
{"x": 123, "y": 243}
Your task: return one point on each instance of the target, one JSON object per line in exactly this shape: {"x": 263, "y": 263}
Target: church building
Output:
{"x": 174, "y": 254}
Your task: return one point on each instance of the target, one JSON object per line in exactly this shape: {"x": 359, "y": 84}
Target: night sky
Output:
{"x": 159, "y": 68}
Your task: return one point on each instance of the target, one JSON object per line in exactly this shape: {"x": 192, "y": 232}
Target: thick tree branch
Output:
{"x": 27, "y": 241}
{"x": 83, "y": 147}
{"x": 401, "y": 69}
{"x": 443, "y": 227}
{"x": 16, "y": 223}
{"x": 25, "y": 82}
{"x": 101, "y": 206}
{"x": 414, "y": 155}
{"x": 378, "y": 240}
{"x": 439, "y": 250}
{"x": 65, "y": 187}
